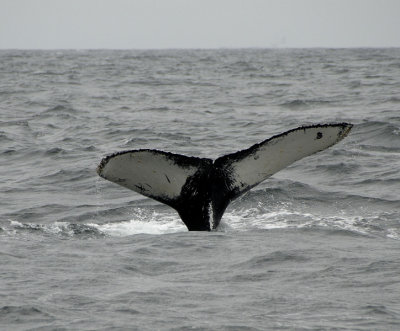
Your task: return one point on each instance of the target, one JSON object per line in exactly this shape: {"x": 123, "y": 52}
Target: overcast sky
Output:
{"x": 140, "y": 24}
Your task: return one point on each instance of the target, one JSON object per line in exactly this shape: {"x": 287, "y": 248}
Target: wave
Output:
{"x": 62, "y": 229}
{"x": 145, "y": 222}
{"x": 236, "y": 220}
{"x": 18, "y": 312}
{"x": 93, "y": 230}
{"x": 379, "y": 135}
{"x": 304, "y": 103}
{"x": 4, "y": 137}
{"x": 133, "y": 227}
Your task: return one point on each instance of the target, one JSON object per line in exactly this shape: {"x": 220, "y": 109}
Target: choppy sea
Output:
{"x": 315, "y": 247}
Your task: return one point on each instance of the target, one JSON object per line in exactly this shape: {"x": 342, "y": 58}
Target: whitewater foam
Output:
{"x": 132, "y": 227}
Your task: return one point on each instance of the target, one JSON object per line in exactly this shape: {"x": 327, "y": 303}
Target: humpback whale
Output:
{"x": 200, "y": 189}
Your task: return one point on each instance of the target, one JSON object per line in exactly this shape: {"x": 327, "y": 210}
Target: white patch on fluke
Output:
{"x": 150, "y": 173}
{"x": 278, "y": 152}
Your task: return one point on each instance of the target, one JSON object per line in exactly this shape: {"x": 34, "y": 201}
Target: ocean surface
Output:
{"x": 315, "y": 247}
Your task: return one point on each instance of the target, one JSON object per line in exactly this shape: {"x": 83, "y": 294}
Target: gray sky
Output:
{"x": 138, "y": 24}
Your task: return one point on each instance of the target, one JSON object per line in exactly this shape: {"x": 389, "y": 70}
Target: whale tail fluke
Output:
{"x": 200, "y": 189}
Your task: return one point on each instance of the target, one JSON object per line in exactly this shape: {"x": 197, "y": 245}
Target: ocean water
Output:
{"x": 315, "y": 247}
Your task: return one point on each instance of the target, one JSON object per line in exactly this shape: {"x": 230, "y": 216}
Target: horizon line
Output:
{"x": 193, "y": 48}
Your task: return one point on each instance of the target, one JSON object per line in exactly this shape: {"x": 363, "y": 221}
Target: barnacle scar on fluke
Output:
{"x": 200, "y": 189}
